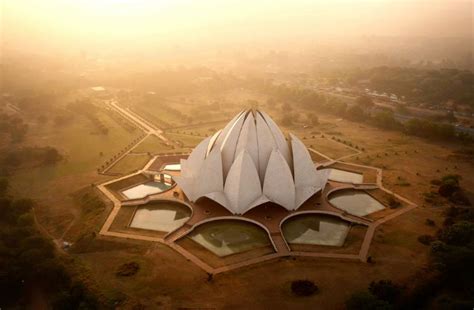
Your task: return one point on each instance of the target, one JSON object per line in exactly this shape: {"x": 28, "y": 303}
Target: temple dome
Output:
{"x": 248, "y": 163}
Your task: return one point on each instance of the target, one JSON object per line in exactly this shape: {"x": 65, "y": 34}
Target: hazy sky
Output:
{"x": 78, "y": 23}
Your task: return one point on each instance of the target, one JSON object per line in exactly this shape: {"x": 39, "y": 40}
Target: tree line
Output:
{"x": 418, "y": 85}
{"x": 362, "y": 111}
{"x": 30, "y": 264}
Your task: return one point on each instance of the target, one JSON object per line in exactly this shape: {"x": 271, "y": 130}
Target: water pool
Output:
{"x": 143, "y": 190}
{"x": 172, "y": 167}
{"x": 355, "y": 202}
{"x": 345, "y": 176}
{"x": 160, "y": 216}
{"x": 316, "y": 229}
{"x": 228, "y": 237}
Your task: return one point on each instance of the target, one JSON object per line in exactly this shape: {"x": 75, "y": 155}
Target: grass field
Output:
{"x": 327, "y": 146}
{"x": 81, "y": 148}
{"x": 130, "y": 163}
{"x": 189, "y": 141}
{"x": 152, "y": 145}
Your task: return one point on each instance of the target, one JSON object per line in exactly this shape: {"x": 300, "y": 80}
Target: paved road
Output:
{"x": 143, "y": 124}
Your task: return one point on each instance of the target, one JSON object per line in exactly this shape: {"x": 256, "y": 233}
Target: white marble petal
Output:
{"x": 212, "y": 141}
{"x": 229, "y": 144}
{"x": 266, "y": 144}
{"x": 279, "y": 137}
{"x": 303, "y": 167}
{"x": 242, "y": 186}
{"x": 278, "y": 185}
{"x": 196, "y": 158}
{"x": 187, "y": 184}
{"x": 248, "y": 139}
{"x": 210, "y": 175}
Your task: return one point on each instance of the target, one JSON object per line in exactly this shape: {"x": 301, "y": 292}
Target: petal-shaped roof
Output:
{"x": 242, "y": 186}
{"x": 248, "y": 163}
{"x": 278, "y": 185}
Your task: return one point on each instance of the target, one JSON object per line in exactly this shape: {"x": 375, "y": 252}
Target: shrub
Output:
{"x": 426, "y": 239}
{"x": 393, "y": 203}
{"x": 459, "y": 197}
{"x": 128, "y": 269}
{"x": 304, "y": 288}
{"x": 366, "y": 301}
{"x": 460, "y": 233}
{"x": 385, "y": 290}
{"x": 430, "y": 222}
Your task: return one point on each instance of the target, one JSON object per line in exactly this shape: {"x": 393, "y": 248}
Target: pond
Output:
{"x": 228, "y": 237}
{"x": 345, "y": 176}
{"x": 316, "y": 229}
{"x": 355, "y": 202}
{"x": 162, "y": 216}
{"x": 143, "y": 190}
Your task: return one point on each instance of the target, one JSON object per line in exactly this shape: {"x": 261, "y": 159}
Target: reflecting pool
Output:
{"x": 143, "y": 190}
{"x": 161, "y": 216}
{"x": 316, "y": 229}
{"x": 229, "y": 237}
{"x": 355, "y": 202}
{"x": 345, "y": 176}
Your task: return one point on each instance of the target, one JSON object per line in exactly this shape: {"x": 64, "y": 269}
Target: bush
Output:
{"x": 393, "y": 203}
{"x": 128, "y": 269}
{"x": 426, "y": 239}
{"x": 430, "y": 222}
{"x": 448, "y": 188}
{"x": 304, "y": 288}
{"x": 460, "y": 233}
{"x": 385, "y": 290}
{"x": 366, "y": 301}
{"x": 459, "y": 197}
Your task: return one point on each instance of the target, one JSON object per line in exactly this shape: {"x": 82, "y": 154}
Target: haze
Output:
{"x": 140, "y": 25}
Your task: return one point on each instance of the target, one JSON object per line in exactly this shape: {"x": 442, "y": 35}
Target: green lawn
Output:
{"x": 153, "y": 145}
{"x": 81, "y": 149}
{"x": 188, "y": 140}
{"x": 130, "y": 163}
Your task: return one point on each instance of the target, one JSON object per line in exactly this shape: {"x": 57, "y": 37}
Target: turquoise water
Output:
{"x": 355, "y": 202}
{"x": 316, "y": 229}
{"x": 161, "y": 216}
{"x": 228, "y": 237}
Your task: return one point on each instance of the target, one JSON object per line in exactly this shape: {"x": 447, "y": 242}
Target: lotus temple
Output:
{"x": 249, "y": 194}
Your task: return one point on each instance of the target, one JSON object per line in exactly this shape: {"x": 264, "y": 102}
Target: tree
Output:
{"x": 385, "y": 290}
{"x": 366, "y": 301}
{"x": 460, "y": 233}
{"x": 51, "y": 156}
{"x": 365, "y": 102}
